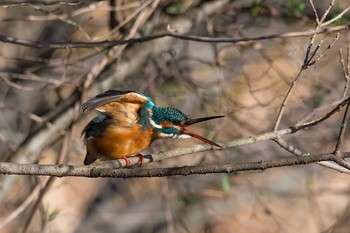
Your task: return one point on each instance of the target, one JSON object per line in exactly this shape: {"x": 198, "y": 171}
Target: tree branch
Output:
{"x": 108, "y": 170}
{"x": 43, "y": 2}
{"x": 76, "y": 44}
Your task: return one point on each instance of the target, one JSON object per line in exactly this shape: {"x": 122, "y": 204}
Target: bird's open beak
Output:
{"x": 193, "y": 134}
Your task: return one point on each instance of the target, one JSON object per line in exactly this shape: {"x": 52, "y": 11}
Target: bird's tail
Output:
{"x": 89, "y": 159}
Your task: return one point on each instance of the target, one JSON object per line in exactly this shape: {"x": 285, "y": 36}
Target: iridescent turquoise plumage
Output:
{"x": 173, "y": 115}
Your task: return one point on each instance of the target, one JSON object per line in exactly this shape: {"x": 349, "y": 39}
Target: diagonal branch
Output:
{"x": 340, "y": 141}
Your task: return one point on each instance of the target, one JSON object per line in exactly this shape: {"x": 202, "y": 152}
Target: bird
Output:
{"x": 128, "y": 122}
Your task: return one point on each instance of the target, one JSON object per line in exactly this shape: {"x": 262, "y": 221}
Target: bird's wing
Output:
{"x": 122, "y": 106}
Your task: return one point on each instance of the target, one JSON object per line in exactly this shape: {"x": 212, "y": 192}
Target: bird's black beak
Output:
{"x": 193, "y": 134}
{"x": 197, "y": 120}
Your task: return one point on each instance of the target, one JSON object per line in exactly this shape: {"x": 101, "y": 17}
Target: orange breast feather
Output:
{"x": 120, "y": 141}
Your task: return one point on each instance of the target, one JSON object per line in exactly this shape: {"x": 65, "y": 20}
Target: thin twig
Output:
{"x": 346, "y": 70}
{"x": 6, "y": 142}
{"x": 17, "y": 86}
{"x": 128, "y": 19}
{"x": 30, "y": 77}
{"x": 326, "y": 12}
{"x": 334, "y": 166}
{"x": 322, "y": 118}
{"x": 342, "y": 162}
{"x": 289, "y": 147}
{"x": 339, "y": 144}
{"x": 336, "y": 17}
{"x": 295, "y": 151}
{"x": 285, "y": 100}
{"x": 324, "y": 51}
{"x": 20, "y": 208}
{"x": 320, "y": 109}
{"x": 31, "y": 116}
{"x": 42, "y": 191}
{"x": 308, "y": 59}
{"x": 311, "y": 2}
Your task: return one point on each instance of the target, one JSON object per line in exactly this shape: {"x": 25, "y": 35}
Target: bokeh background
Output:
{"x": 41, "y": 90}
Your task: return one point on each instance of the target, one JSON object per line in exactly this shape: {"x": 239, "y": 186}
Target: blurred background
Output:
{"x": 42, "y": 88}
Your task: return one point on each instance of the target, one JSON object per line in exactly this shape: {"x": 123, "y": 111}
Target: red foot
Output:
{"x": 127, "y": 161}
{"x": 142, "y": 159}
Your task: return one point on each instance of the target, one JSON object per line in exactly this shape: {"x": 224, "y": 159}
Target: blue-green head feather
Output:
{"x": 170, "y": 115}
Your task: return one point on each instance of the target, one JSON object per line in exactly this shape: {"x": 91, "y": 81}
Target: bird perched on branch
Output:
{"x": 129, "y": 122}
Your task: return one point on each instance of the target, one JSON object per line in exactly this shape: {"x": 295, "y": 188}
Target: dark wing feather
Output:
{"x": 103, "y": 98}
{"x": 96, "y": 126}
{"x": 122, "y": 106}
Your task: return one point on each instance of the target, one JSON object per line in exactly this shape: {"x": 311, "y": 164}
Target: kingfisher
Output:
{"x": 128, "y": 122}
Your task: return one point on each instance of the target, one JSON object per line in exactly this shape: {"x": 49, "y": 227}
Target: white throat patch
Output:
{"x": 154, "y": 124}
{"x": 171, "y": 135}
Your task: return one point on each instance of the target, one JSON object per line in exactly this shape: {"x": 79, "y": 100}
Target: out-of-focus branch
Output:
{"x": 76, "y": 44}
{"x": 43, "y": 2}
{"x": 110, "y": 171}
{"x": 62, "y": 116}
{"x": 14, "y": 214}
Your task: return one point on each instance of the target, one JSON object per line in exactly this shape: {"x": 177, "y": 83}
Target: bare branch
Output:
{"x": 285, "y": 100}
{"x": 289, "y": 147}
{"x": 9, "y": 145}
{"x": 311, "y": 2}
{"x": 14, "y": 214}
{"x": 343, "y": 163}
{"x": 305, "y": 125}
{"x": 346, "y": 68}
{"x": 43, "y": 2}
{"x": 309, "y": 60}
{"x": 63, "y": 45}
{"x": 326, "y": 12}
{"x": 338, "y": 166}
{"x": 337, "y": 17}
{"x": 312, "y": 62}
{"x": 111, "y": 171}
{"x": 339, "y": 144}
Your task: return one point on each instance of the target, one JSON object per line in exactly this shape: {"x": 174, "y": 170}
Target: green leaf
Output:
{"x": 180, "y": 201}
{"x": 175, "y": 8}
{"x": 256, "y": 8}
{"x": 225, "y": 182}
{"x": 53, "y": 214}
